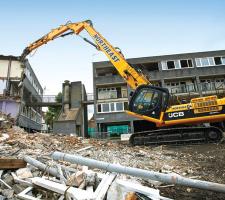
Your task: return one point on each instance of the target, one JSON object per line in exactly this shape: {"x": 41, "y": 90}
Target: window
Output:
{"x": 105, "y": 107}
{"x": 164, "y": 65}
{"x": 170, "y": 65}
{"x": 223, "y": 60}
{"x": 219, "y": 60}
{"x": 112, "y": 93}
{"x": 124, "y": 92}
{"x": 107, "y": 93}
{"x": 125, "y": 105}
{"x": 203, "y": 62}
{"x": 151, "y": 66}
{"x": 146, "y": 100}
{"x": 185, "y": 63}
{"x": 118, "y": 91}
{"x": 198, "y": 62}
{"x": 119, "y": 106}
{"x": 99, "y": 108}
{"x": 112, "y": 107}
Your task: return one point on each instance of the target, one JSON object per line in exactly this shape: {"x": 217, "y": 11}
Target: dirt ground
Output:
{"x": 203, "y": 162}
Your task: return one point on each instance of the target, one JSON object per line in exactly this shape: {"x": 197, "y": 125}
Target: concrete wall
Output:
{"x": 15, "y": 72}
{"x": 65, "y": 127}
{"x": 10, "y": 107}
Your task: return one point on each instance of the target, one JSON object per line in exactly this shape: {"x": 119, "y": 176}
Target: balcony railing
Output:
{"x": 196, "y": 88}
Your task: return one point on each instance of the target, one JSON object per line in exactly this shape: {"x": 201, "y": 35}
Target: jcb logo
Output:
{"x": 176, "y": 114}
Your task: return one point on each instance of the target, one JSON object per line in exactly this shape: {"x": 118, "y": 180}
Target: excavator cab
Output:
{"x": 149, "y": 100}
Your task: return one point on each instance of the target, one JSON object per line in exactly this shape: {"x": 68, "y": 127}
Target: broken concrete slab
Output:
{"x": 24, "y": 173}
{"x": 76, "y": 179}
{"x": 8, "y": 193}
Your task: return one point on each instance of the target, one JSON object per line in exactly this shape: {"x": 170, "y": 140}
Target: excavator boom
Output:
{"x": 130, "y": 75}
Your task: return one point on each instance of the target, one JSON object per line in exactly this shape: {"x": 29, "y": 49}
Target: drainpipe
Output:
{"x": 145, "y": 174}
{"x": 66, "y": 96}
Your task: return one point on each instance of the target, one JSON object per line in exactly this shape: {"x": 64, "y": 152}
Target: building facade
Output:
{"x": 186, "y": 76}
{"x": 18, "y": 87}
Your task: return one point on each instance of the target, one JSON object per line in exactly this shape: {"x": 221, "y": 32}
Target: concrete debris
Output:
{"x": 76, "y": 179}
{"x": 2, "y": 197}
{"x": 8, "y": 193}
{"x": 59, "y": 178}
{"x": 24, "y": 173}
{"x": 6, "y": 121}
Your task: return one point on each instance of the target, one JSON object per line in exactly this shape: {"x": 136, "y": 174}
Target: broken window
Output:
{"x": 152, "y": 66}
{"x": 99, "y": 108}
{"x": 119, "y": 95}
{"x": 170, "y": 65}
{"x": 125, "y": 105}
{"x": 185, "y": 63}
{"x": 218, "y": 60}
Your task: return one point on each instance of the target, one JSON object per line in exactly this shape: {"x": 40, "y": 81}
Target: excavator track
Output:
{"x": 181, "y": 135}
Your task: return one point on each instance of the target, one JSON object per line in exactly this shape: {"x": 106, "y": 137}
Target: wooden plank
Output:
{"x": 9, "y": 163}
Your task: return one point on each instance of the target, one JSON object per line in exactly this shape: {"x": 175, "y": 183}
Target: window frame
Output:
{"x": 208, "y": 59}
{"x": 114, "y": 110}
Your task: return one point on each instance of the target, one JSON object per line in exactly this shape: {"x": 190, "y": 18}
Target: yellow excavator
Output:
{"x": 149, "y": 102}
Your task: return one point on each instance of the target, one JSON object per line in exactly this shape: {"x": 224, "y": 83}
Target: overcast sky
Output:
{"x": 140, "y": 28}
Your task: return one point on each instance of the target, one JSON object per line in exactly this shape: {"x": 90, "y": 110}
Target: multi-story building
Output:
{"x": 18, "y": 87}
{"x": 185, "y": 75}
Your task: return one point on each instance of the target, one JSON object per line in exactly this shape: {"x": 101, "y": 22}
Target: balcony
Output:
{"x": 102, "y": 80}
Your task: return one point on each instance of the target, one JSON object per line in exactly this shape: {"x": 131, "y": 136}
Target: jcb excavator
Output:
{"x": 149, "y": 102}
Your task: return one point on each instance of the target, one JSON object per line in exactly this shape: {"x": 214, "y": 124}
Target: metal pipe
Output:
{"x": 145, "y": 174}
{"x": 52, "y": 171}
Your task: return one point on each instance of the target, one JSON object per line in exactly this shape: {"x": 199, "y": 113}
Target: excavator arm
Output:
{"x": 133, "y": 77}
{"x": 150, "y": 102}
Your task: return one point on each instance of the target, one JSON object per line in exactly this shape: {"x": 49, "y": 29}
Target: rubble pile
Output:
{"x": 43, "y": 178}
{"x": 6, "y": 122}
